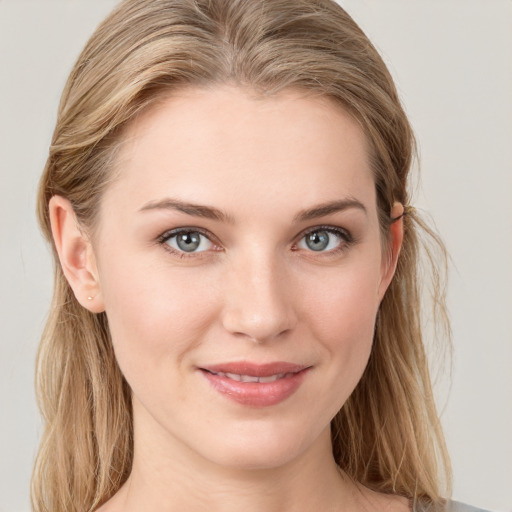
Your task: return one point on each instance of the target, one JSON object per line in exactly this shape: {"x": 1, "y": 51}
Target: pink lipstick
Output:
{"x": 253, "y": 384}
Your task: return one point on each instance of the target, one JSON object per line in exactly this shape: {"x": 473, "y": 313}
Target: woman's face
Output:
{"x": 240, "y": 242}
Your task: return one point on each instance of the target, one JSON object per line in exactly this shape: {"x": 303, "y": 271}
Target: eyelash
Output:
{"x": 346, "y": 240}
{"x": 165, "y": 237}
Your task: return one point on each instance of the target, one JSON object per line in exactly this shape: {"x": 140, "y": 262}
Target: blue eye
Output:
{"x": 187, "y": 241}
{"x": 325, "y": 240}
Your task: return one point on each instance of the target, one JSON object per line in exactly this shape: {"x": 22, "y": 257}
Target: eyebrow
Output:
{"x": 197, "y": 210}
{"x": 324, "y": 209}
{"x": 209, "y": 212}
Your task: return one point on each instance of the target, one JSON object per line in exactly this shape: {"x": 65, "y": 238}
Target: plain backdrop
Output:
{"x": 452, "y": 60}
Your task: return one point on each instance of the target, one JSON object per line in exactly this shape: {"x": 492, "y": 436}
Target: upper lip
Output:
{"x": 255, "y": 369}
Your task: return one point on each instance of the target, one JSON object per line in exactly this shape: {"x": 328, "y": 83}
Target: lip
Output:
{"x": 256, "y": 394}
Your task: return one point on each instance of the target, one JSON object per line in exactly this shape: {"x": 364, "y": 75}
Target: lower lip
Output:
{"x": 256, "y": 394}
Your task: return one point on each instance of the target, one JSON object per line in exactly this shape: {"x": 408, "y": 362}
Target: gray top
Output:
{"x": 455, "y": 506}
{"x": 451, "y": 506}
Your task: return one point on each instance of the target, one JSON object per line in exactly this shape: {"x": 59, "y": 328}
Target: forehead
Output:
{"x": 226, "y": 142}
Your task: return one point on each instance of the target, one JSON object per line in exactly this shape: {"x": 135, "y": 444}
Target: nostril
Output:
{"x": 257, "y": 305}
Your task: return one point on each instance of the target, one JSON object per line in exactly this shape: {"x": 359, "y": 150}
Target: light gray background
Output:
{"x": 452, "y": 60}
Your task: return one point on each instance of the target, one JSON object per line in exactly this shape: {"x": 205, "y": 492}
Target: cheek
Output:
{"x": 342, "y": 314}
{"x": 346, "y": 302}
{"x": 155, "y": 312}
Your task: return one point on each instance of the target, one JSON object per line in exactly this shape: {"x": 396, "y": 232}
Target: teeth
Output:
{"x": 251, "y": 378}
{"x": 272, "y": 378}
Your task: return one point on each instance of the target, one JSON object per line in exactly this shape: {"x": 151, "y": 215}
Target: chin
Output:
{"x": 262, "y": 448}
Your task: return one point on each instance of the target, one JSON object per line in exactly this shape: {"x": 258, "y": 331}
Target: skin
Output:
{"x": 253, "y": 291}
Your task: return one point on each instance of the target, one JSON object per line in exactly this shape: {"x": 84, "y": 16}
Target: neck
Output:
{"x": 177, "y": 478}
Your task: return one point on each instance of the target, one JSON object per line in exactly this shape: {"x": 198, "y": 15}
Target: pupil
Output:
{"x": 188, "y": 241}
{"x": 318, "y": 240}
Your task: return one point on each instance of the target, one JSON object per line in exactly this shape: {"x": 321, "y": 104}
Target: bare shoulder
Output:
{"x": 114, "y": 504}
{"x": 393, "y": 503}
{"x": 373, "y": 501}
{"x": 106, "y": 507}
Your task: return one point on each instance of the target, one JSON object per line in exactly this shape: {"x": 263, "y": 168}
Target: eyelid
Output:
{"x": 182, "y": 229}
{"x": 167, "y": 235}
{"x": 345, "y": 235}
{"x": 326, "y": 227}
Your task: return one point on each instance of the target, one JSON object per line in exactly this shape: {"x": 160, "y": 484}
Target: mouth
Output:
{"x": 256, "y": 385}
{"x": 252, "y": 378}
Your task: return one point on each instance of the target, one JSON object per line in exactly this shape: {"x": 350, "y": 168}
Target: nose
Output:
{"x": 259, "y": 302}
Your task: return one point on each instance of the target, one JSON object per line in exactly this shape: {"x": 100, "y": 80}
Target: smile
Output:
{"x": 253, "y": 378}
{"x": 253, "y": 384}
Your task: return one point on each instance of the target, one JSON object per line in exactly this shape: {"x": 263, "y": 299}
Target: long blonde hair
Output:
{"x": 387, "y": 435}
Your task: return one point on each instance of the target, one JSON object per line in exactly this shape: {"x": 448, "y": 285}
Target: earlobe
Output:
{"x": 75, "y": 254}
{"x": 390, "y": 259}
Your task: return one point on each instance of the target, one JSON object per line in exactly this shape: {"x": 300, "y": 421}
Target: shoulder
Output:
{"x": 450, "y": 506}
{"x": 455, "y": 506}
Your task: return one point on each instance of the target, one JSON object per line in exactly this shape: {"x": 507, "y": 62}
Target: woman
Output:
{"x": 236, "y": 319}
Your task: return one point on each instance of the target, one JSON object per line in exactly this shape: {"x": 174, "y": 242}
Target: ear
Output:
{"x": 390, "y": 257}
{"x": 75, "y": 254}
